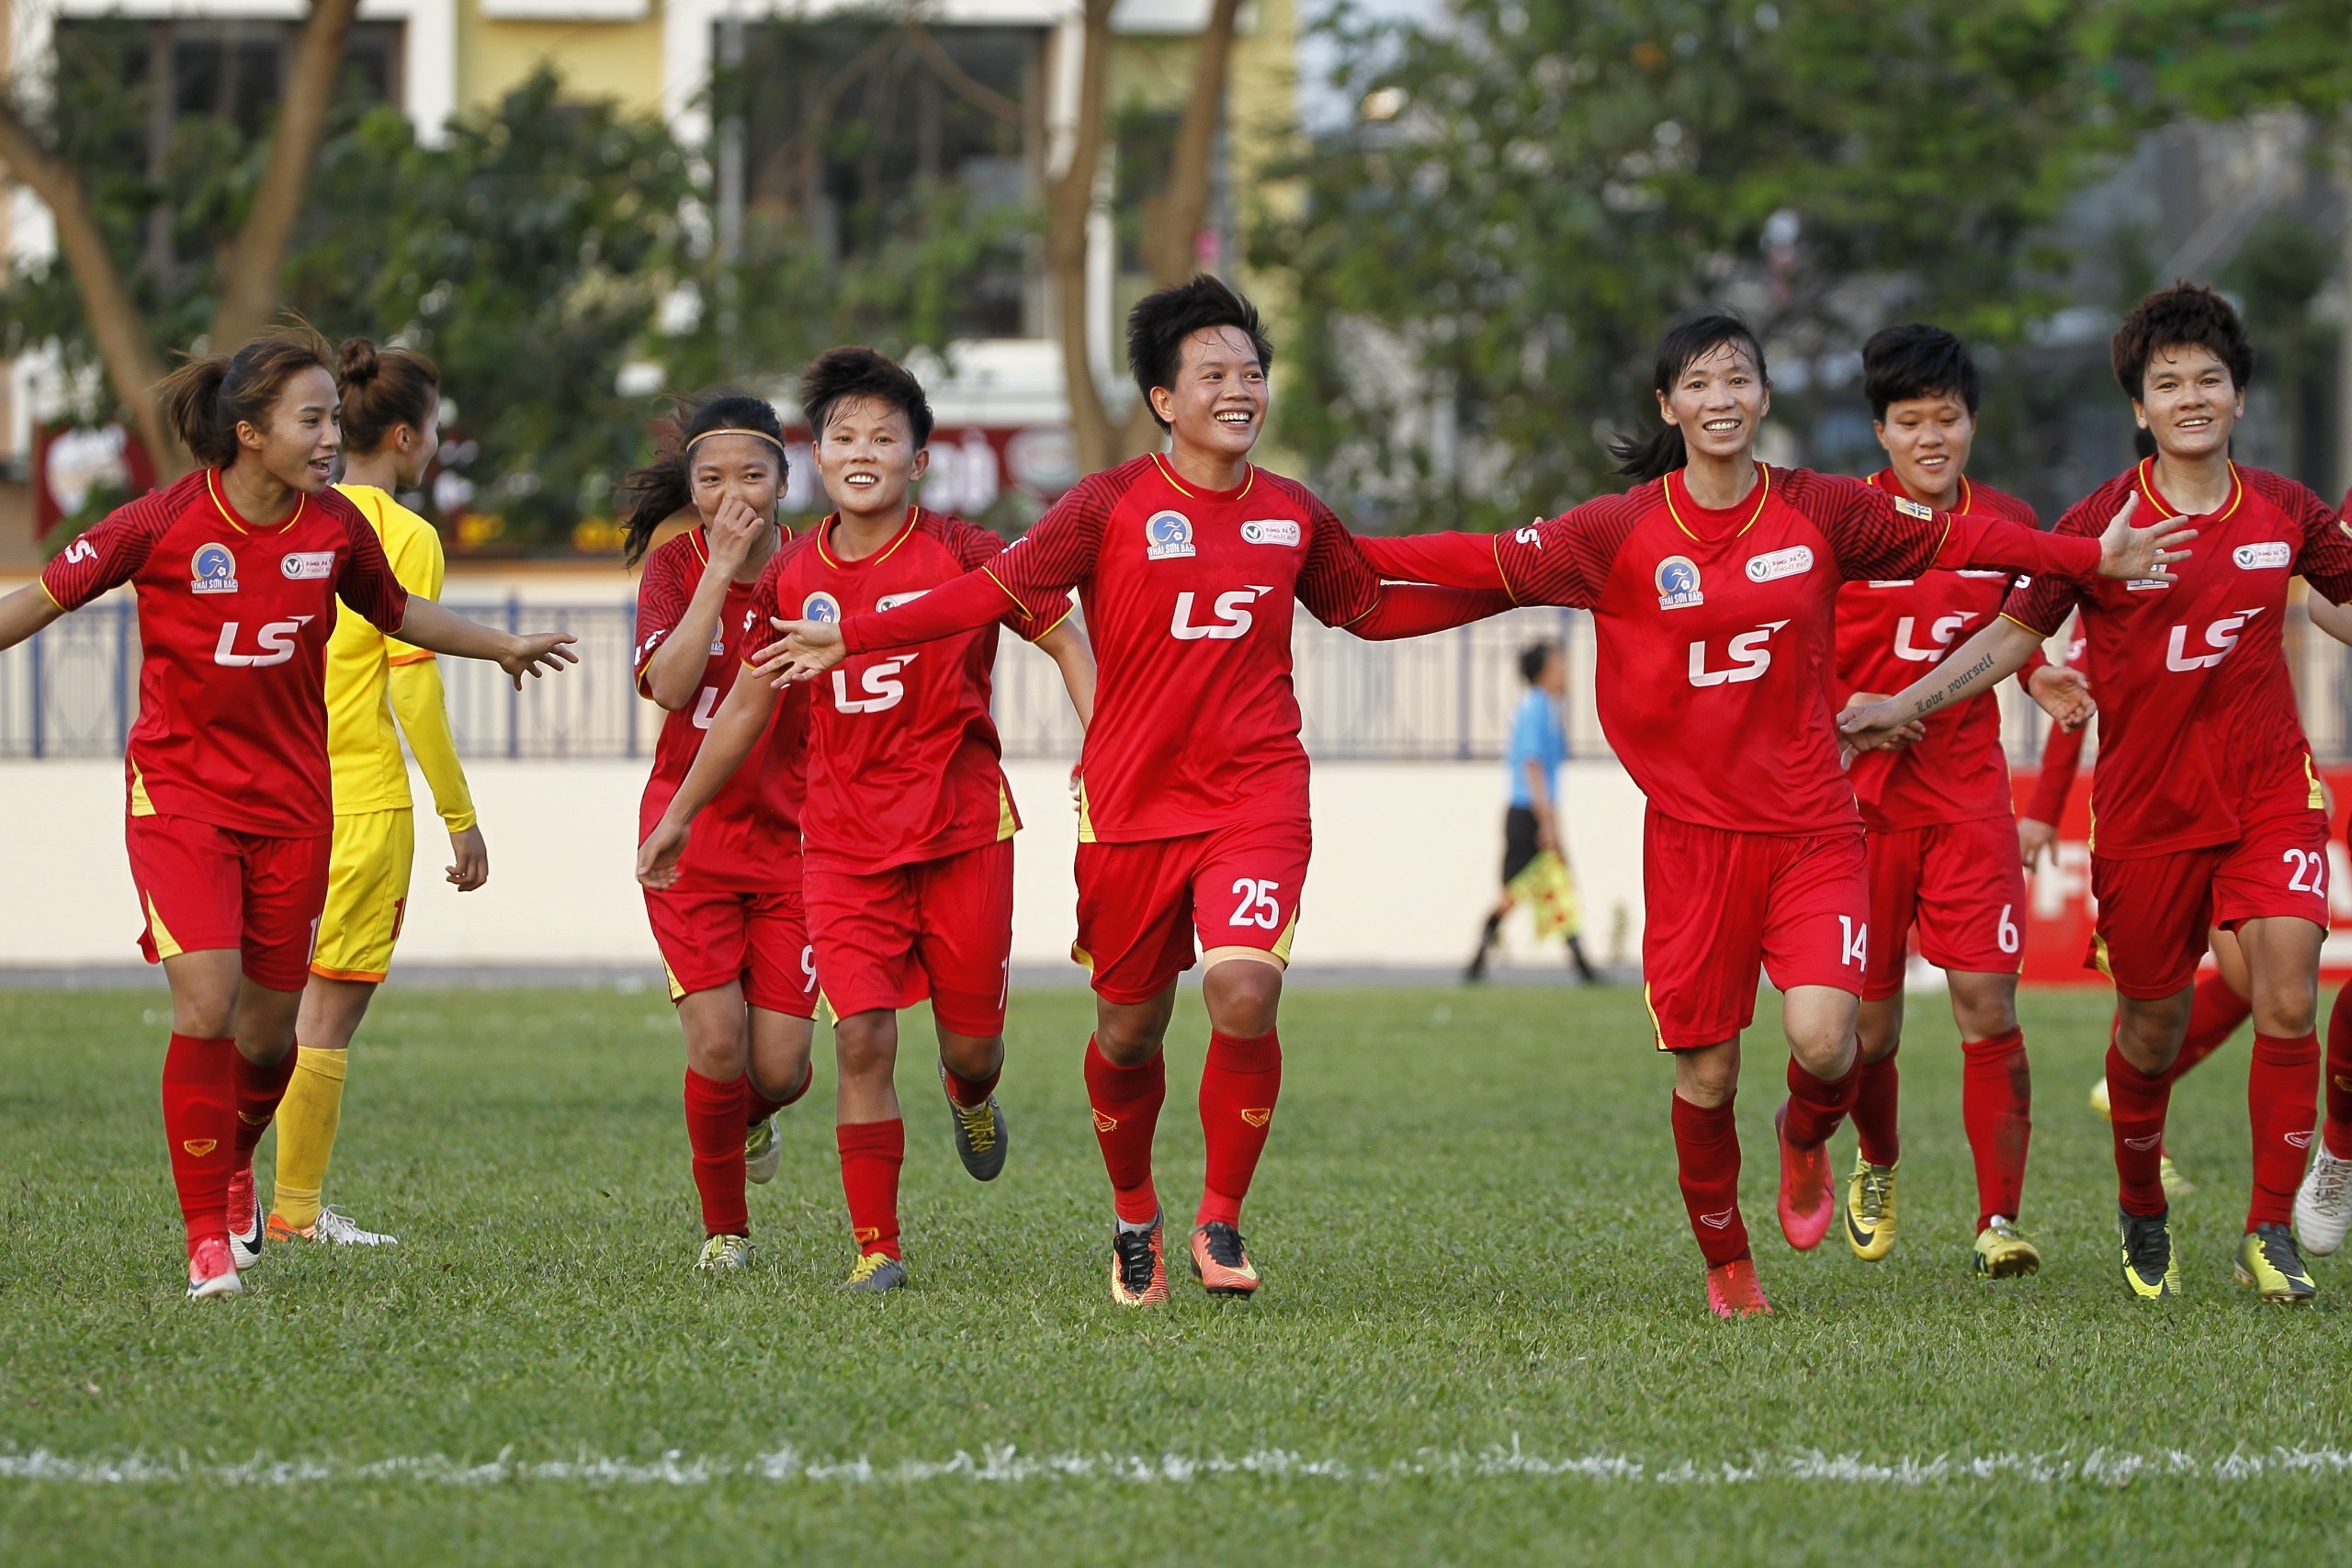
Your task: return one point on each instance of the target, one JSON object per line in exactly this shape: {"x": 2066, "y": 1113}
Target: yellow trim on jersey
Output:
{"x": 1657, "y": 1030}
{"x": 990, "y": 573}
{"x": 1079, "y": 955}
{"x": 2021, "y": 626}
{"x": 2318, "y": 800}
{"x": 1085, "y": 817}
{"x": 1282, "y": 943}
{"x": 2164, "y": 508}
{"x": 1007, "y": 823}
{"x": 2098, "y": 954}
{"x": 165, "y": 945}
{"x": 1070, "y": 608}
{"x": 906, "y": 531}
{"x": 677, "y": 992}
{"x": 48, "y": 595}
{"x": 221, "y": 504}
{"x": 1168, "y": 472}
{"x": 1763, "y": 493}
{"x": 140, "y": 805}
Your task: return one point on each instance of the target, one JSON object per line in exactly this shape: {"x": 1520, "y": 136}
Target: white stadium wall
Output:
{"x": 1406, "y": 857}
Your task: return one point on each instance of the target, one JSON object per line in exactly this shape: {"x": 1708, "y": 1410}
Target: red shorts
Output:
{"x": 2154, "y": 914}
{"x": 1140, "y": 904}
{"x": 1722, "y": 904}
{"x": 714, "y": 937}
{"x": 938, "y": 927}
{"x": 204, "y": 888}
{"x": 1962, "y": 883}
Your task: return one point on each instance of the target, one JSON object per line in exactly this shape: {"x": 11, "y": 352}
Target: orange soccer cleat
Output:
{"x": 1219, "y": 1262}
{"x": 1138, "y": 1267}
{"x": 1807, "y": 1202}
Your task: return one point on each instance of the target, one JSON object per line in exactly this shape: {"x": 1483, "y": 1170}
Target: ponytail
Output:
{"x": 382, "y": 388}
{"x": 205, "y": 400}
{"x": 660, "y": 489}
{"x": 1683, "y": 345}
{"x": 1653, "y": 457}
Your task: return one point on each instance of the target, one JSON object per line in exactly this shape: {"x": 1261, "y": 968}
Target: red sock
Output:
{"x": 1817, "y": 1105}
{"x": 2136, "y": 1103}
{"x": 871, "y": 1155}
{"x": 969, "y": 1093}
{"x": 199, "y": 1126}
{"x": 1874, "y": 1087}
{"x": 257, "y": 1092}
{"x": 2339, "y": 1075}
{"x": 1706, "y": 1152}
{"x": 1126, "y": 1102}
{"x": 2281, "y": 1102}
{"x": 1240, "y": 1084}
{"x": 2215, "y": 1013}
{"x": 715, "y": 1132}
{"x": 758, "y": 1107}
{"x": 1995, "y": 1106}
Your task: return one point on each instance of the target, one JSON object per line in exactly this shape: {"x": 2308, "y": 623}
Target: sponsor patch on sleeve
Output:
{"x": 1910, "y": 508}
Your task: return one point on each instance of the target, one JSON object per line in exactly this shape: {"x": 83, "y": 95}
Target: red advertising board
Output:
{"x": 2060, "y": 908}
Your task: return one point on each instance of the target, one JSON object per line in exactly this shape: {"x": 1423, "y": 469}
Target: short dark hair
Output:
{"x": 1534, "y": 656}
{"x": 1684, "y": 343}
{"x": 840, "y": 373}
{"x": 1160, "y": 322}
{"x": 1917, "y": 361}
{"x": 2187, "y": 315}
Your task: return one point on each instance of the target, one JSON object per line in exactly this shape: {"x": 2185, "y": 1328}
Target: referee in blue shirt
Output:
{"x": 1538, "y": 746}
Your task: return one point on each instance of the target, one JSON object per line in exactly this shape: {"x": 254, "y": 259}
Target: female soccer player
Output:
{"x": 731, "y": 925}
{"x": 1712, "y": 585}
{"x": 237, "y": 568}
{"x": 908, "y": 823}
{"x": 2210, "y": 811}
{"x": 1192, "y": 806}
{"x": 390, "y": 417}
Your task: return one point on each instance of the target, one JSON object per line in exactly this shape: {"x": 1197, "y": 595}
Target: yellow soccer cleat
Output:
{"x": 1870, "y": 1209}
{"x": 2150, "y": 1269}
{"x": 2003, "y": 1254}
{"x": 2098, "y": 1100}
{"x": 876, "y": 1272}
{"x": 2269, "y": 1262}
{"x": 2176, "y": 1184}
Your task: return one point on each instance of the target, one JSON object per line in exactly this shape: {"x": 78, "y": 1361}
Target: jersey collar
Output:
{"x": 825, "y": 538}
{"x": 2146, "y": 478}
{"x": 1678, "y": 508}
{"x": 1196, "y": 493}
{"x": 1885, "y": 478}
{"x": 219, "y": 494}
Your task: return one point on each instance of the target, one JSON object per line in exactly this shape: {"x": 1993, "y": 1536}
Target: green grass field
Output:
{"x": 1484, "y": 1337}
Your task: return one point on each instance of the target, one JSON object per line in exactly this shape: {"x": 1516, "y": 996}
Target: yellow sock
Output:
{"x": 306, "y": 1120}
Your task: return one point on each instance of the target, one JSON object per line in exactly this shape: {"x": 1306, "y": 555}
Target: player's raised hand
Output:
{"x": 2063, "y": 695}
{"x": 658, "y": 857}
{"x": 733, "y": 531}
{"x": 472, "y": 867}
{"x": 536, "y": 654}
{"x": 807, "y": 650}
{"x": 2131, "y": 555}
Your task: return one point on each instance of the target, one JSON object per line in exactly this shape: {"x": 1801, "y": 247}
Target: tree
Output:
{"x": 1172, "y": 223}
{"x": 36, "y": 154}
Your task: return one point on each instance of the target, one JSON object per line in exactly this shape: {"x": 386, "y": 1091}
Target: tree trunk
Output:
{"x": 1069, "y": 211}
{"x": 1172, "y": 250}
{"x": 249, "y": 273}
{"x": 124, "y": 342}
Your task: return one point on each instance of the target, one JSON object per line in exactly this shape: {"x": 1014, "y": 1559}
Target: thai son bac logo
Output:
{"x": 1168, "y": 535}
{"x": 213, "y": 570}
{"x": 821, "y": 607}
{"x": 1677, "y": 583}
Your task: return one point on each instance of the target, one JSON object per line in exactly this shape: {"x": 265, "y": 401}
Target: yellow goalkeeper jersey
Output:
{"x": 363, "y": 744}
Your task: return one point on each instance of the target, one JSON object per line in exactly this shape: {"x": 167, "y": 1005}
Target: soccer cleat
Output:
{"x": 1219, "y": 1262}
{"x": 762, "y": 1152}
{"x": 876, "y": 1272}
{"x": 212, "y": 1271}
{"x": 979, "y": 1133}
{"x": 2267, "y": 1261}
{"x": 2098, "y": 1100}
{"x": 1732, "y": 1290}
{"x": 726, "y": 1255}
{"x": 2003, "y": 1254}
{"x": 2176, "y": 1184}
{"x": 1870, "y": 1209}
{"x": 245, "y": 1228}
{"x": 1138, "y": 1267}
{"x": 331, "y": 1227}
{"x": 1807, "y": 1202}
{"x": 2323, "y": 1201}
{"x": 2149, "y": 1267}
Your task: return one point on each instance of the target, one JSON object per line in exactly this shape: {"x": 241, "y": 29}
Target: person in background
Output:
{"x": 1535, "y": 863}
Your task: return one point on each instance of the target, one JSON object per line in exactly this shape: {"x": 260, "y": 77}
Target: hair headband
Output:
{"x": 731, "y": 430}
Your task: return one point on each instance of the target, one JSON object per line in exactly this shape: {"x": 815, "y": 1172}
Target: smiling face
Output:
{"x": 745, "y": 466}
{"x": 1927, "y": 441}
{"x": 298, "y": 447}
{"x": 867, "y": 457}
{"x": 1219, "y": 403}
{"x": 1718, "y": 402}
{"x": 2188, "y": 402}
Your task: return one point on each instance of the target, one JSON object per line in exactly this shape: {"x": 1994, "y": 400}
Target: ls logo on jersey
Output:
{"x": 274, "y": 645}
{"x": 1677, "y": 583}
{"x": 1167, "y": 535}
{"x": 879, "y": 685}
{"x": 821, "y": 607}
{"x": 2219, "y": 637}
{"x": 1750, "y": 654}
{"x": 1940, "y": 636}
{"x": 307, "y": 566}
{"x": 214, "y": 570}
{"x": 1233, "y": 618}
{"x": 1795, "y": 561}
{"x": 1269, "y": 531}
{"x": 2268, "y": 555}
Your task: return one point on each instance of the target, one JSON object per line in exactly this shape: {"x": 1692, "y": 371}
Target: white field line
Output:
{"x": 2098, "y": 1467}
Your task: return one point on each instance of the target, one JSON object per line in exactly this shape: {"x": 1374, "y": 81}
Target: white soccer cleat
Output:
{"x": 725, "y": 1255}
{"x": 762, "y": 1152}
{"x": 332, "y": 1227}
{"x": 2323, "y": 1202}
{"x": 212, "y": 1272}
{"x": 245, "y": 1229}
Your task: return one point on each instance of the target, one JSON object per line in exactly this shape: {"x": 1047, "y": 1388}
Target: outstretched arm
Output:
{"x": 734, "y": 730}
{"x": 429, "y": 624}
{"x": 1414, "y": 609}
{"x": 1447, "y": 560}
{"x": 24, "y": 612}
{"x": 1982, "y": 660}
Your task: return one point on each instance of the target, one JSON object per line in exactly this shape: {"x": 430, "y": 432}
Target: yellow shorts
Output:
{"x": 367, "y": 895}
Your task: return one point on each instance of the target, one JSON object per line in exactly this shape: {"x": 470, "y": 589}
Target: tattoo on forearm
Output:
{"x": 1955, "y": 687}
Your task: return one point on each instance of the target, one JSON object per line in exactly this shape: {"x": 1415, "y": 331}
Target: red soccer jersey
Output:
{"x": 2198, "y": 730}
{"x": 1891, "y": 631}
{"x": 234, "y": 622}
{"x": 748, "y": 836}
{"x": 902, "y": 752}
{"x": 1716, "y": 627}
{"x": 1190, "y": 595}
